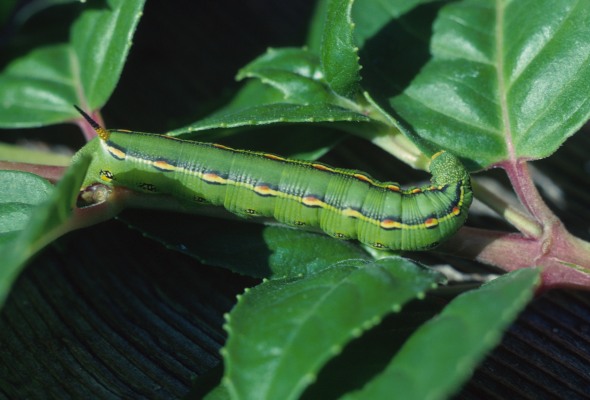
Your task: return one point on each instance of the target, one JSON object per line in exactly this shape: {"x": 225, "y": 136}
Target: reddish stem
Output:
{"x": 523, "y": 184}
{"x": 563, "y": 257}
{"x": 51, "y": 173}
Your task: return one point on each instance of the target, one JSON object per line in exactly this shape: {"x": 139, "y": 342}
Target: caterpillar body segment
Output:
{"x": 345, "y": 204}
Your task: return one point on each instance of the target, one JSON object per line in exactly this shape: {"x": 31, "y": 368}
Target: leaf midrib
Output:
{"x": 499, "y": 41}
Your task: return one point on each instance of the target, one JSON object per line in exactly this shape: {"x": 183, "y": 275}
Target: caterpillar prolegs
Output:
{"x": 345, "y": 204}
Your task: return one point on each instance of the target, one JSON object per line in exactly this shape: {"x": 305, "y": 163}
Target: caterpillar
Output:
{"x": 343, "y": 203}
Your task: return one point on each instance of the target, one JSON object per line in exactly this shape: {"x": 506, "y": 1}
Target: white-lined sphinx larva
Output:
{"x": 345, "y": 204}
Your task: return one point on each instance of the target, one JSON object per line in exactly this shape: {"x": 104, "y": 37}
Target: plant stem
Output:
{"x": 565, "y": 259}
{"x": 505, "y": 250}
{"x": 521, "y": 221}
{"x": 395, "y": 138}
{"x": 398, "y": 146}
{"x": 51, "y": 173}
{"x": 523, "y": 184}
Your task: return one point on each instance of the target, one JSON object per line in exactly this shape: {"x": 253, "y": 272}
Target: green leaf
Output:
{"x": 247, "y": 248}
{"x": 339, "y": 58}
{"x": 294, "y": 72}
{"x": 219, "y": 393}
{"x": 287, "y": 87}
{"x": 393, "y": 37}
{"x": 442, "y": 353}
{"x": 272, "y": 113}
{"x": 283, "y": 331}
{"x": 507, "y": 80}
{"x": 101, "y": 40}
{"x": 367, "y": 356}
{"x": 302, "y": 141}
{"x": 301, "y": 253}
{"x": 40, "y": 87}
{"x": 33, "y": 215}
{"x": 316, "y": 27}
{"x": 21, "y": 193}
{"x": 371, "y": 16}
{"x": 254, "y": 92}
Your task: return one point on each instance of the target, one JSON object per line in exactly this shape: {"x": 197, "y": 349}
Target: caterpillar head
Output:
{"x": 446, "y": 169}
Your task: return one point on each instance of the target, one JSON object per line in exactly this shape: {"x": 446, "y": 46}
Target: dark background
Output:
{"x": 107, "y": 313}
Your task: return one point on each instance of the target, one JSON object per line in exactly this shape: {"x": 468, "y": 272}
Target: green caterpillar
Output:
{"x": 345, "y": 204}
